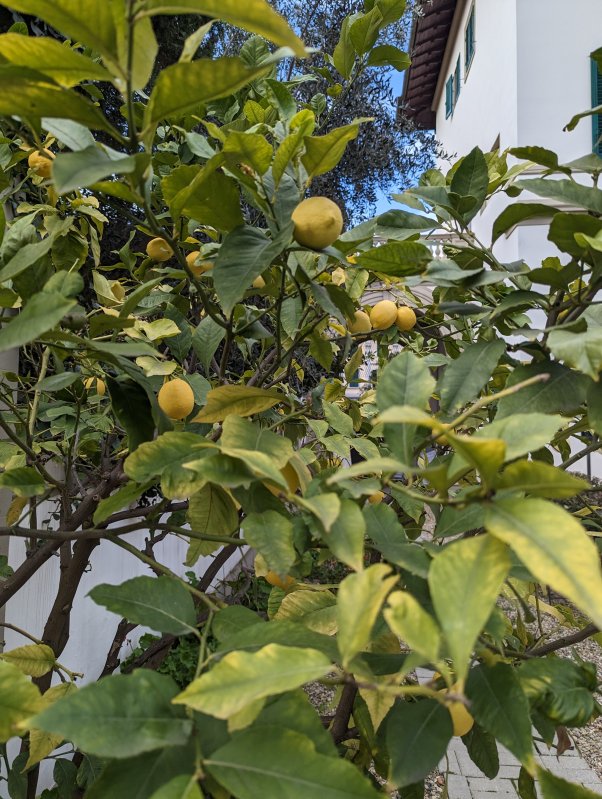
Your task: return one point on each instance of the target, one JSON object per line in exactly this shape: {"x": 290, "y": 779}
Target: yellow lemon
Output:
{"x": 91, "y": 382}
{"x": 159, "y": 250}
{"x": 40, "y": 162}
{"x": 292, "y": 480}
{"x": 259, "y": 283}
{"x": 286, "y": 582}
{"x": 198, "y": 269}
{"x": 318, "y": 223}
{"x": 462, "y": 720}
{"x": 360, "y": 323}
{"x": 406, "y": 318}
{"x": 176, "y": 399}
{"x": 383, "y": 315}
{"x": 376, "y": 498}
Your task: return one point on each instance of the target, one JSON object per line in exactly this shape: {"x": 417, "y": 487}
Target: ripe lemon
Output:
{"x": 360, "y": 323}
{"x": 383, "y": 315}
{"x": 198, "y": 269}
{"x": 292, "y": 480}
{"x": 40, "y": 162}
{"x": 462, "y": 720}
{"x": 406, "y": 318}
{"x": 259, "y": 283}
{"x": 286, "y": 582}
{"x": 91, "y": 382}
{"x": 159, "y": 250}
{"x": 176, "y": 399}
{"x": 318, "y": 223}
{"x": 376, "y": 498}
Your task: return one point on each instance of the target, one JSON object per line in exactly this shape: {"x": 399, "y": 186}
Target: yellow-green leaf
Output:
{"x": 41, "y": 743}
{"x": 211, "y": 510}
{"x": 465, "y": 581}
{"x": 408, "y": 620}
{"x": 236, "y": 400}
{"x": 242, "y": 678}
{"x": 541, "y": 480}
{"x": 50, "y": 57}
{"x": 553, "y": 546}
{"x": 32, "y": 659}
{"x": 256, "y": 16}
{"x": 19, "y": 699}
{"x": 323, "y": 153}
{"x": 359, "y": 601}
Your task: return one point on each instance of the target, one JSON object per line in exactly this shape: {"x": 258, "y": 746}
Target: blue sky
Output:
{"x": 384, "y": 203}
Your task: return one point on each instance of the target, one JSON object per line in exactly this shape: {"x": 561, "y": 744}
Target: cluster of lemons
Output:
{"x": 383, "y": 315}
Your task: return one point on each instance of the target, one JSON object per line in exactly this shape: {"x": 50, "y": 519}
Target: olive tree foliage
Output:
{"x": 460, "y": 431}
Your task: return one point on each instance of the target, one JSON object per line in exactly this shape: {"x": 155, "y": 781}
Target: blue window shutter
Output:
{"x": 596, "y": 101}
{"x": 457, "y": 80}
{"x": 469, "y": 38}
{"x": 449, "y": 96}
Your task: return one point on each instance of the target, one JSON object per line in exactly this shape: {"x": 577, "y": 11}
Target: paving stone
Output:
{"x": 449, "y": 764}
{"x": 467, "y": 767}
{"x": 509, "y": 772}
{"x": 497, "y": 787}
{"x": 489, "y": 795}
{"x": 458, "y": 788}
{"x": 573, "y": 775}
{"x": 563, "y": 763}
{"x": 506, "y": 757}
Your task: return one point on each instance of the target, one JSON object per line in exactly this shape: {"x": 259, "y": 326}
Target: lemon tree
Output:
{"x": 170, "y": 388}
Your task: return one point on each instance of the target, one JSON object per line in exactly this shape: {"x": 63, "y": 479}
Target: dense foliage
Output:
{"x": 163, "y": 392}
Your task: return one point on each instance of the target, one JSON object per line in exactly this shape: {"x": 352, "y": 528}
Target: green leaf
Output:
{"x": 23, "y": 481}
{"x": 211, "y": 510}
{"x": 138, "y": 777}
{"x": 541, "y": 480}
{"x": 120, "y": 716}
{"x": 522, "y": 432}
{"x": 243, "y": 678}
{"x": 19, "y": 699}
{"x": 516, "y": 213}
{"x": 386, "y": 55}
{"x": 237, "y": 401}
{"x": 566, "y": 191}
{"x": 295, "y": 712}
{"x": 407, "y": 619}
{"x": 182, "y": 787}
{"x": 454, "y": 521}
{"x": 252, "y": 149}
{"x": 359, "y": 601}
{"x": 121, "y": 499}
{"x": 583, "y": 350}
{"x": 243, "y": 439}
{"x": 365, "y": 29}
{"x": 471, "y": 179}
{"x": 161, "y": 603}
{"x": 560, "y": 689}
{"x": 191, "y": 191}
{"x": 325, "y": 507}
{"x": 43, "y": 312}
{"x": 52, "y": 58}
{"x": 181, "y": 88}
{"x": 397, "y": 258}
{"x": 35, "y": 660}
{"x": 345, "y": 538}
{"x": 271, "y": 534}
{"x": 554, "y": 787}
{"x": 79, "y": 170}
{"x": 279, "y": 762}
{"x": 323, "y": 153}
{"x": 133, "y": 411}
{"x": 465, "y": 581}
{"x": 244, "y": 255}
{"x": 405, "y": 380}
{"x": 92, "y": 22}
{"x": 206, "y": 339}
{"x": 417, "y": 736}
{"x": 164, "y": 457}
{"x": 390, "y": 539}
{"x": 567, "y": 228}
{"x": 594, "y": 406}
{"x": 553, "y": 546}
{"x": 482, "y": 750}
{"x": 464, "y": 378}
{"x": 256, "y": 16}
{"x": 344, "y": 52}
{"x": 563, "y": 392}
{"x": 500, "y": 707}
{"x": 27, "y": 93}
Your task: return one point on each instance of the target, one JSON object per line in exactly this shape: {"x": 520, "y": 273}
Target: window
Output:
{"x": 596, "y": 101}
{"x": 469, "y": 39}
{"x": 449, "y": 96}
{"x": 457, "y": 81}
